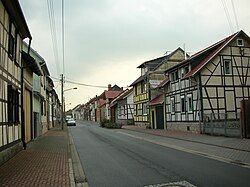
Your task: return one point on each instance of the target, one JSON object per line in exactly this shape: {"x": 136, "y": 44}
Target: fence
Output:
{"x": 226, "y": 124}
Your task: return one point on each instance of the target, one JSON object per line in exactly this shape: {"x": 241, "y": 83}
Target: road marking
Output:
{"x": 229, "y": 161}
{"x": 173, "y": 184}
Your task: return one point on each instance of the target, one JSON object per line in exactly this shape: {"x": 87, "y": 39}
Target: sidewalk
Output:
{"x": 233, "y": 150}
{"x": 43, "y": 163}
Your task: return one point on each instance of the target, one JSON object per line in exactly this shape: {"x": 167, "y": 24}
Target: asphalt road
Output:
{"x": 114, "y": 159}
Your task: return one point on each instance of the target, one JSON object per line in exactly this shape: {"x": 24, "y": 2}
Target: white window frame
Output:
{"x": 242, "y": 41}
{"x": 172, "y": 105}
{"x": 144, "y": 109}
{"x": 230, "y": 67}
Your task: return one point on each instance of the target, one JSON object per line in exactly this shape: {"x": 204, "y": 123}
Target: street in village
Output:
{"x": 129, "y": 158}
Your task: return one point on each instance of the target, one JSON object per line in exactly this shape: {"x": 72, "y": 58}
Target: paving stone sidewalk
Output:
{"x": 232, "y": 150}
{"x": 220, "y": 141}
{"x": 43, "y": 163}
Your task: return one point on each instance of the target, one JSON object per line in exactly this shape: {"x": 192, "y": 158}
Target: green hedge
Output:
{"x": 110, "y": 125}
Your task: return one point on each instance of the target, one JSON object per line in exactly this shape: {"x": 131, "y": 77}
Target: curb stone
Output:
{"x": 77, "y": 176}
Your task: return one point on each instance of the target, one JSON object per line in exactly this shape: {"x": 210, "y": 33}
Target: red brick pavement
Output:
{"x": 43, "y": 163}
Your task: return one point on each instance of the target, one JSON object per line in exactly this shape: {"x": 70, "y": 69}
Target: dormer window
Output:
{"x": 240, "y": 42}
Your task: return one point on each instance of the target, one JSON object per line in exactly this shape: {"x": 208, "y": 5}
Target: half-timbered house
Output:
{"x": 13, "y": 29}
{"x": 122, "y": 108}
{"x": 152, "y": 73}
{"x": 205, "y": 91}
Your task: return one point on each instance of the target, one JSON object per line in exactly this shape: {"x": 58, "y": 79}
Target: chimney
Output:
{"x": 109, "y": 87}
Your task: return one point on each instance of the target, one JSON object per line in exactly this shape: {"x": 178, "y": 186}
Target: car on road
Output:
{"x": 71, "y": 122}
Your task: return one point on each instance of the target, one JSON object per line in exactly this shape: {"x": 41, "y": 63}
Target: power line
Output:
{"x": 235, "y": 15}
{"x": 50, "y": 7}
{"x": 227, "y": 15}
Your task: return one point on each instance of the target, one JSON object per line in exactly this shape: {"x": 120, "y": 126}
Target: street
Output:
{"x": 111, "y": 158}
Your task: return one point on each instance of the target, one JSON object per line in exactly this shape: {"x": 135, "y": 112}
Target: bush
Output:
{"x": 108, "y": 124}
{"x": 112, "y": 125}
{"x": 104, "y": 122}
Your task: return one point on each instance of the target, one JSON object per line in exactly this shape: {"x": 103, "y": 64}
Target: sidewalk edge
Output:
{"x": 183, "y": 139}
{"x": 79, "y": 176}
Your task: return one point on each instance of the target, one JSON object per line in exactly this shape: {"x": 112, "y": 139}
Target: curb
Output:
{"x": 183, "y": 139}
{"x": 77, "y": 175}
{"x": 226, "y": 160}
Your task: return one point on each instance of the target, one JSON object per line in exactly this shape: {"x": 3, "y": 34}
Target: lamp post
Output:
{"x": 63, "y": 103}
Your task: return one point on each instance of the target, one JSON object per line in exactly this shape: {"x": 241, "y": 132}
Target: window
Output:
{"x": 183, "y": 107}
{"x": 184, "y": 71}
{"x": 12, "y": 42}
{"x": 190, "y": 103}
{"x": 172, "y": 105}
{"x": 135, "y": 110}
{"x": 13, "y": 105}
{"x": 144, "y": 108}
{"x": 227, "y": 67}
{"x": 240, "y": 42}
{"x": 143, "y": 87}
{"x": 175, "y": 76}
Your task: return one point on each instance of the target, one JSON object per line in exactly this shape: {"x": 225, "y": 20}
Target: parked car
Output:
{"x": 68, "y": 117}
{"x": 71, "y": 122}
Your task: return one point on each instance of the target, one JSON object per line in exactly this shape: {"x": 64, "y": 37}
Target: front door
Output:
{"x": 159, "y": 117}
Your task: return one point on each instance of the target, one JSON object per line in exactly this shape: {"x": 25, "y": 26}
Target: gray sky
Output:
{"x": 107, "y": 39}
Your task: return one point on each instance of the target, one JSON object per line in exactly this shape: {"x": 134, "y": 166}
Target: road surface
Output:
{"x": 110, "y": 158}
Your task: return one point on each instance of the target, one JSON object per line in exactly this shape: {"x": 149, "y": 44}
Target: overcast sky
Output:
{"x": 105, "y": 40}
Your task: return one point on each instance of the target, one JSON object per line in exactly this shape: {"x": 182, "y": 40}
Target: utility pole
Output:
{"x": 62, "y": 100}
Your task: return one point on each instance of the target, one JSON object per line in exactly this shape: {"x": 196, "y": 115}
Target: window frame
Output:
{"x": 227, "y": 61}
{"x": 183, "y": 105}
{"x": 190, "y": 96}
{"x": 172, "y": 105}
{"x": 242, "y": 44}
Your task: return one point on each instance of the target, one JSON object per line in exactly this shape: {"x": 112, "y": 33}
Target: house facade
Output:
{"x": 30, "y": 67}
{"x": 152, "y": 74}
{"x": 13, "y": 29}
{"x": 122, "y": 108}
{"x": 205, "y": 91}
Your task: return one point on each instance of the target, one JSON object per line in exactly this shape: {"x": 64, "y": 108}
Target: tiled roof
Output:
{"x": 111, "y": 94}
{"x": 139, "y": 79}
{"x": 201, "y": 58}
{"x": 102, "y": 102}
{"x": 158, "y": 100}
{"x": 163, "y": 83}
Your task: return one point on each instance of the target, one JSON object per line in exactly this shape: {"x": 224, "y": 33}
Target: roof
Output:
{"x": 102, "y": 102}
{"x": 158, "y": 100}
{"x": 15, "y": 11}
{"x": 163, "y": 83}
{"x": 109, "y": 94}
{"x": 201, "y": 58}
{"x": 31, "y": 63}
{"x": 155, "y": 63}
{"x": 217, "y": 48}
{"x": 139, "y": 79}
{"x": 123, "y": 95}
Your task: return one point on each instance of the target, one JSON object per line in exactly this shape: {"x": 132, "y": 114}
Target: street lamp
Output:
{"x": 63, "y": 102}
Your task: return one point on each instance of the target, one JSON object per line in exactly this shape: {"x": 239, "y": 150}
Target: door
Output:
{"x": 245, "y": 118}
{"x": 159, "y": 117}
{"x": 27, "y": 115}
{"x": 153, "y": 119}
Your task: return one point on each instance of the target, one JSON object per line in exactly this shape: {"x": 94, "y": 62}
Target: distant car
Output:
{"x": 68, "y": 117}
{"x": 71, "y": 122}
